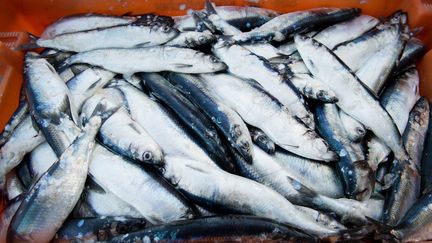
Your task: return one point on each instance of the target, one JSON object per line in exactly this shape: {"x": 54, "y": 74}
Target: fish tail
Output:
{"x": 32, "y": 44}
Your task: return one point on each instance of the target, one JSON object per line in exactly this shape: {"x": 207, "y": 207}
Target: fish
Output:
{"x": 135, "y": 34}
{"x": 228, "y": 122}
{"x": 406, "y": 188}
{"x": 320, "y": 177}
{"x": 345, "y": 31}
{"x": 270, "y": 116}
{"x": 97, "y": 229}
{"x": 151, "y": 115}
{"x": 120, "y": 132}
{"x": 312, "y": 88}
{"x": 244, "y": 64}
{"x": 354, "y": 129}
{"x": 23, "y": 140}
{"x": 146, "y": 191}
{"x": 262, "y": 140}
{"x": 150, "y": 59}
{"x": 192, "y": 39}
{"x": 285, "y": 25}
{"x": 214, "y": 188}
{"x": 270, "y": 172}
{"x": 331, "y": 70}
{"x": 352, "y": 167}
{"x": 377, "y": 152}
{"x": 414, "y": 49}
{"x": 356, "y": 53}
{"x": 425, "y": 164}
{"x": 82, "y": 22}
{"x": 219, "y": 228}
{"x": 191, "y": 117}
{"x": 44, "y": 208}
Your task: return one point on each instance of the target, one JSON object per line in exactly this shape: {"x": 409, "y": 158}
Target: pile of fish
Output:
{"x": 230, "y": 123}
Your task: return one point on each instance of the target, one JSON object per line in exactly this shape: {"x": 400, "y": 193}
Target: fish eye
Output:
{"x": 165, "y": 28}
{"x": 201, "y": 39}
{"x": 213, "y": 59}
{"x": 244, "y": 145}
{"x": 147, "y": 156}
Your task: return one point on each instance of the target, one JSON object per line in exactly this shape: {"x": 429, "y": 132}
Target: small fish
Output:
{"x": 244, "y": 64}
{"x": 226, "y": 228}
{"x": 44, "y": 208}
{"x": 258, "y": 108}
{"x": 228, "y": 121}
{"x": 426, "y": 163}
{"x": 97, "y": 229}
{"x": 75, "y": 23}
{"x": 150, "y": 59}
{"x": 151, "y": 115}
{"x": 214, "y": 188}
{"x": 14, "y": 186}
{"x": 191, "y": 117}
{"x": 359, "y": 104}
{"x": 285, "y": 25}
{"x": 322, "y": 218}
{"x": 357, "y": 176}
{"x": 120, "y": 132}
{"x": 6, "y": 216}
{"x": 146, "y": 191}
{"x": 17, "y": 117}
{"x": 262, "y": 140}
{"x": 135, "y": 34}
{"x": 406, "y": 188}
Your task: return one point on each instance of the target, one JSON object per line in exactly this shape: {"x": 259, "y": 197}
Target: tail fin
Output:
{"x": 210, "y": 8}
{"x": 30, "y": 45}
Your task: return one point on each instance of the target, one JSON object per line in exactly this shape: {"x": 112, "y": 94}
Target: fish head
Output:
{"x": 323, "y": 148}
{"x": 242, "y": 142}
{"x": 206, "y": 37}
{"x": 214, "y": 63}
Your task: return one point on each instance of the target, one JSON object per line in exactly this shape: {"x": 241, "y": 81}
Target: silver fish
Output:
{"x": 243, "y": 63}
{"x": 151, "y": 59}
{"x": 146, "y": 192}
{"x": 17, "y": 117}
{"x": 327, "y": 67}
{"x": 271, "y": 116}
{"x": 75, "y": 23}
{"x": 130, "y": 35}
{"x": 44, "y": 207}
{"x": 213, "y": 187}
{"x": 156, "y": 120}
{"x": 262, "y": 140}
{"x": 283, "y": 26}
{"x": 225, "y": 118}
{"x": 192, "y": 39}
{"x": 406, "y": 189}
{"x": 120, "y": 132}
{"x": 23, "y": 140}
{"x": 345, "y": 31}
{"x": 322, "y": 218}
{"x": 6, "y": 216}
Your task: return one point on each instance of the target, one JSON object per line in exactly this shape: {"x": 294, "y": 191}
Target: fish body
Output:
{"x": 192, "y": 39}
{"x": 331, "y": 70}
{"x": 413, "y": 50}
{"x": 17, "y": 117}
{"x": 270, "y": 116}
{"x": 247, "y": 197}
{"x": 44, "y": 207}
{"x": 354, "y": 129}
{"x": 219, "y": 228}
{"x": 262, "y": 140}
{"x": 352, "y": 167}
{"x": 228, "y": 121}
{"x": 313, "y": 88}
{"x": 75, "y": 23}
{"x": 150, "y": 59}
{"x": 285, "y": 25}
{"x": 119, "y": 36}
{"x": 242, "y": 63}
